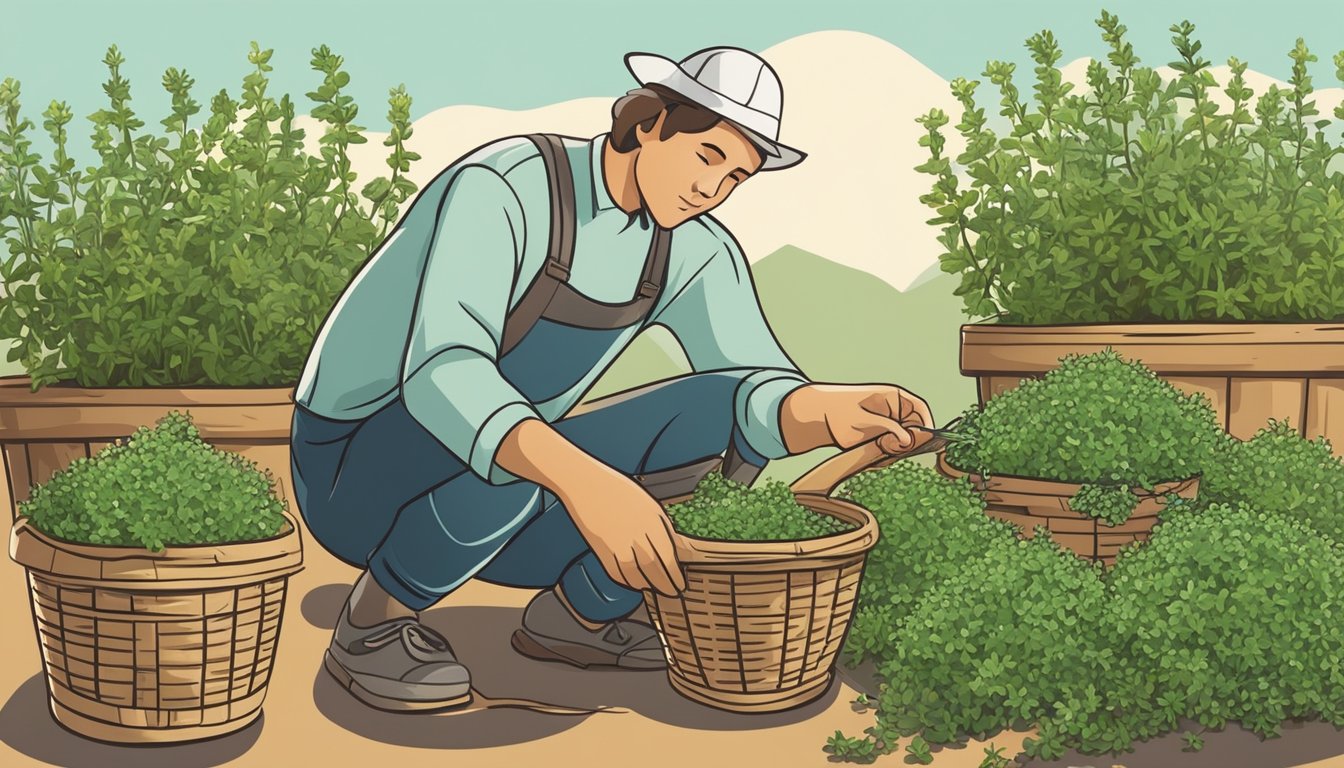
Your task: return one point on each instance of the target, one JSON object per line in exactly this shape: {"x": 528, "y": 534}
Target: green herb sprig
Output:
{"x": 204, "y": 256}
{"x": 1139, "y": 200}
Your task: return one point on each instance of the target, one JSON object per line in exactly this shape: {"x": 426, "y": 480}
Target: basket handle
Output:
{"x": 824, "y": 478}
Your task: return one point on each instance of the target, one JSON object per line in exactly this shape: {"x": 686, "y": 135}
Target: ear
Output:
{"x": 654, "y": 131}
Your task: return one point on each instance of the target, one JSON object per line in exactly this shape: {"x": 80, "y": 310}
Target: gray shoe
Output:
{"x": 551, "y": 633}
{"x": 399, "y": 665}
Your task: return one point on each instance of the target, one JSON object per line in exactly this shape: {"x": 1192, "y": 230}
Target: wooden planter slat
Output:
{"x": 1254, "y": 401}
{"x": 1325, "y": 411}
{"x": 17, "y": 390}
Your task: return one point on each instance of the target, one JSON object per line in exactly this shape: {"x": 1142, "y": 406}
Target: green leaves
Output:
{"x": 163, "y": 486}
{"x": 1110, "y": 503}
{"x": 931, "y": 527}
{"x": 228, "y": 222}
{"x": 1108, "y": 423}
{"x": 974, "y": 630}
{"x": 1209, "y": 206}
{"x": 918, "y": 752}
{"x": 727, "y": 510}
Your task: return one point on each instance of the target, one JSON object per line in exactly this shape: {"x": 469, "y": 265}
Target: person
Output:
{"x": 435, "y": 435}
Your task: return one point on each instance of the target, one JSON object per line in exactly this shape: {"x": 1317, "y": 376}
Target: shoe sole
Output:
{"x": 382, "y": 702}
{"x": 574, "y": 655}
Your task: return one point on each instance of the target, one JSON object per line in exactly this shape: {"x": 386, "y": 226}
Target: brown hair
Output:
{"x": 641, "y": 107}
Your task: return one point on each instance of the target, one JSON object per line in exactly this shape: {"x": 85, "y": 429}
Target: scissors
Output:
{"x": 946, "y": 431}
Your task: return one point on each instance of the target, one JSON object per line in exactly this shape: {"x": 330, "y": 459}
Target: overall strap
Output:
{"x": 570, "y": 307}
{"x": 559, "y": 254}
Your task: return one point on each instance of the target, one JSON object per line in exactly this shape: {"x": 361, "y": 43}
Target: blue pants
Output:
{"x": 383, "y": 493}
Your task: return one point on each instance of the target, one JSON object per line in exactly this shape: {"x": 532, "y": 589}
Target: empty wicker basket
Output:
{"x": 760, "y": 624}
{"x": 143, "y": 646}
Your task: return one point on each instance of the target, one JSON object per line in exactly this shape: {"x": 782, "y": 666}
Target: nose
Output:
{"x": 700, "y": 185}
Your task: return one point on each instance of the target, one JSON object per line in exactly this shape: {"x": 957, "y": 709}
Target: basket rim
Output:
{"x": 1066, "y": 488}
{"x": 853, "y": 542}
{"x": 281, "y": 554}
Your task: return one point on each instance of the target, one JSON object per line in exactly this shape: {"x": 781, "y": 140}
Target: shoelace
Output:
{"x": 617, "y": 634}
{"x": 415, "y": 636}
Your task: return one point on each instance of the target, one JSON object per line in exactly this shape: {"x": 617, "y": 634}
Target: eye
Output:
{"x": 703, "y": 159}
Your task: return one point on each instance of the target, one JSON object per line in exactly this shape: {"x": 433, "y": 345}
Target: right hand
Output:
{"x": 629, "y": 532}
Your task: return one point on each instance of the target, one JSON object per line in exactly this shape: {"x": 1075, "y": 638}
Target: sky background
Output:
{"x": 519, "y": 55}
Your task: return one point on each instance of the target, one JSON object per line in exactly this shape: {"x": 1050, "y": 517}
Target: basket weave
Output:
{"x": 760, "y": 623}
{"x": 1028, "y": 502}
{"x": 168, "y": 646}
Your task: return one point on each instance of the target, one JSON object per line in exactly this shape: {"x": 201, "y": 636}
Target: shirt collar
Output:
{"x": 601, "y": 198}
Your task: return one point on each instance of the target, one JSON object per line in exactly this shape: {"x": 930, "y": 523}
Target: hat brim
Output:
{"x": 652, "y": 68}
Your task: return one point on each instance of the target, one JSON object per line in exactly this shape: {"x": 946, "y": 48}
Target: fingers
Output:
{"x": 664, "y": 560}
{"x": 889, "y": 443}
{"x": 627, "y": 572}
{"x": 897, "y": 429}
{"x": 644, "y": 567}
{"x": 908, "y": 405}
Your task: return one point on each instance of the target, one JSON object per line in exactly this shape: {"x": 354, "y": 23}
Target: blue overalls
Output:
{"x": 383, "y": 493}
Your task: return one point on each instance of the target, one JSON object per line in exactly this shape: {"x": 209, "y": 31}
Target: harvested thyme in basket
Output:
{"x": 727, "y": 510}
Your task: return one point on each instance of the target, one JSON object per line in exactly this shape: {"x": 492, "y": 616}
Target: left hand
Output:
{"x": 845, "y": 415}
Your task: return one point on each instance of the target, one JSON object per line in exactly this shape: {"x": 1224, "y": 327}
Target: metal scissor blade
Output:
{"x": 946, "y": 432}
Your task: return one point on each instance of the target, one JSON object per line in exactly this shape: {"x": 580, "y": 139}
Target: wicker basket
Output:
{"x": 760, "y": 624}
{"x": 1028, "y": 502}
{"x": 168, "y": 646}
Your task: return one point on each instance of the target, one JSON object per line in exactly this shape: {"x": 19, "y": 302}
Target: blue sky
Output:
{"x": 515, "y": 54}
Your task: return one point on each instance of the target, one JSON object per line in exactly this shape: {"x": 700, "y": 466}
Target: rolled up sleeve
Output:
{"x": 717, "y": 318}
{"x": 451, "y": 382}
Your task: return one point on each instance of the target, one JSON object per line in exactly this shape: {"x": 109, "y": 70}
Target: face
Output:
{"x": 691, "y": 173}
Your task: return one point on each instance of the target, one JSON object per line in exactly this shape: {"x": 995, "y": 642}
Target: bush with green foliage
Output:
{"x": 930, "y": 529}
{"x": 725, "y": 509}
{"x": 1003, "y": 642}
{"x": 163, "y": 486}
{"x": 1232, "y": 614}
{"x": 201, "y": 256}
{"x": 1278, "y": 471}
{"x": 1137, "y": 199}
{"x": 1099, "y": 420}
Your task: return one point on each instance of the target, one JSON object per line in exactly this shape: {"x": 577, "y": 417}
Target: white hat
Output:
{"x": 735, "y": 83}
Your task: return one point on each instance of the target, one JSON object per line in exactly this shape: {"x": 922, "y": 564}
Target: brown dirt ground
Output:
{"x": 308, "y": 716}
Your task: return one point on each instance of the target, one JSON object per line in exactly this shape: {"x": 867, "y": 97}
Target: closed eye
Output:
{"x": 703, "y": 159}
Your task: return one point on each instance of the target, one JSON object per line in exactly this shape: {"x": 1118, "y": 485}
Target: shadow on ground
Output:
{"x": 480, "y": 636}
{"x": 26, "y": 726}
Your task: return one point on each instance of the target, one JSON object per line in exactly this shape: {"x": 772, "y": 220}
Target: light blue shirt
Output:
{"x": 424, "y": 316}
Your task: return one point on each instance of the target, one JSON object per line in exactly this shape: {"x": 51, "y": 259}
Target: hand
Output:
{"x": 627, "y": 529}
{"x": 845, "y": 415}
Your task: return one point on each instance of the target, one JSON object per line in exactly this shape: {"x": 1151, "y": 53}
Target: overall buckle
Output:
{"x": 557, "y": 270}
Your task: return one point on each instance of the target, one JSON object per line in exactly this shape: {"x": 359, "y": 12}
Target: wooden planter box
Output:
{"x": 1249, "y": 371}
{"x": 1029, "y": 502}
{"x": 151, "y": 647}
{"x": 42, "y": 432}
